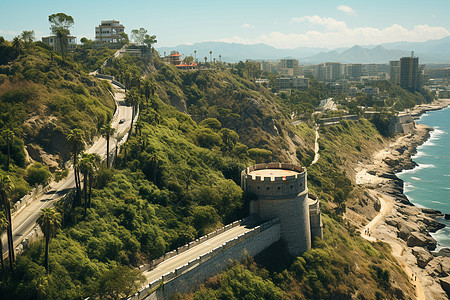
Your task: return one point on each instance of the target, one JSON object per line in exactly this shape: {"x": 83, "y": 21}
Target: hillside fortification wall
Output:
{"x": 281, "y": 192}
{"x": 189, "y": 276}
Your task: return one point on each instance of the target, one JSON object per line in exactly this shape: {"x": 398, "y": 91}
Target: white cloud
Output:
{"x": 246, "y": 25}
{"x": 346, "y": 9}
{"x": 331, "y": 33}
{"x": 8, "y": 32}
{"x": 329, "y": 23}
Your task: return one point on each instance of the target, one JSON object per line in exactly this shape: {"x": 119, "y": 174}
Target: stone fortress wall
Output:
{"x": 283, "y": 206}
{"x": 274, "y": 187}
{"x": 185, "y": 278}
{"x": 315, "y": 217}
{"x": 281, "y": 192}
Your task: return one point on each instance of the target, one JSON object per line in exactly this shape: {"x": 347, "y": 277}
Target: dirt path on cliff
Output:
{"x": 316, "y": 146}
{"x": 387, "y": 204}
{"x": 386, "y": 207}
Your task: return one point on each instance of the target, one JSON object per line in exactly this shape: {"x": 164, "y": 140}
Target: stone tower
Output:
{"x": 282, "y": 192}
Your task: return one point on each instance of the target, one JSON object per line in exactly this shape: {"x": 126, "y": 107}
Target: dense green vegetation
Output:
{"x": 41, "y": 99}
{"x": 251, "y": 110}
{"x": 398, "y": 99}
{"x": 177, "y": 179}
{"x": 173, "y": 183}
{"x": 341, "y": 147}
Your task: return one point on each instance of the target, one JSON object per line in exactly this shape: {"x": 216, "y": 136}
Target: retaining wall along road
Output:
{"x": 187, "y": 277}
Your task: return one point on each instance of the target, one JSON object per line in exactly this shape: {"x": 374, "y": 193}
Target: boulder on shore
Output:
{"x": 439, "y": 266}
{"x": 430, "y": 211}
{"x": 404, "y": 232}
{"x": 432, "y": 225}
{"x": 445, "y": 284}
{"x": 421, "y": 240}
{"x": 423, "y": 256}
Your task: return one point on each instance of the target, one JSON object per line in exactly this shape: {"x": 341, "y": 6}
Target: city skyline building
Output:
{"x": 409, "y": 73}
{"x": 394, "y": 71}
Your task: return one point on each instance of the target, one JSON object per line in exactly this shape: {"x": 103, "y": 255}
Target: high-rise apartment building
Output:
{"x": 109, "y": 31}
{"x": 352, "y": 71}
{"x": 329, "y": 71}
{"x": 289, "y": 67}
{"x": 409, "y": 73}
{"x": 394, "y": 71}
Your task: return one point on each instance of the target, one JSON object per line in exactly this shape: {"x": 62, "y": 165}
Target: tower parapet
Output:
{"x": 281, "y": 191}
{"x": 275, "y": 180}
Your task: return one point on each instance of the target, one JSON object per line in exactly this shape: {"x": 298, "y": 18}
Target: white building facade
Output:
{"x": 53, "y": 42}
{"x": 109, "y": 31}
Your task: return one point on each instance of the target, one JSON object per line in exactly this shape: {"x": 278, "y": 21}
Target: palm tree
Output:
{"x": 133, "y": 98}
{"x": 195, "y": 55}
{"x": 118, "y": 139}
{"x": 126, "y": 80}
{"x": 85, "y": 167}
{"x": 17, "y": 44}
{"x": 88, "y": 165}
{"x": 76, "y": 142}
{"x": 9, "y": 135}
{"x": 49, "y": 221}
{"x": 210, "y": 56}
{"x": 220, "y": 58}
{"x": 3, "y": 226}
{"x": 5, "y": 189}
{"x": 107, "y": 131}
{"x": 206, "y": 59}
{"x": 138, "y": 127}
{"x": 95, "y": 160}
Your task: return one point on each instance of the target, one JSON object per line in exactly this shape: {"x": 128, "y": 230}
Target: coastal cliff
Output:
{"x": 407, "y": 227}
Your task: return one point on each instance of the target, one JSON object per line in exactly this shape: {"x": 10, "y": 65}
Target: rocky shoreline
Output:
{"x": 407, "y": 227}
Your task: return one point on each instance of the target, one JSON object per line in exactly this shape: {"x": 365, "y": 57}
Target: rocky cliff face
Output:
{"x": 407, "y": 226}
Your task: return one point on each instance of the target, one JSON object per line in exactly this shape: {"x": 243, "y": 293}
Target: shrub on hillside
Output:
{"x": 37, "y": 174}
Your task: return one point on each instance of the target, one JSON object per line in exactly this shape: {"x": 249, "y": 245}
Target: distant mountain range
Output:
{"x": 432, "y": 51}
{"x": 233, "y": 52}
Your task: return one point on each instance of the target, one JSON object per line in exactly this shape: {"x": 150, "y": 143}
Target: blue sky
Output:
{"x": 282, "y": 23}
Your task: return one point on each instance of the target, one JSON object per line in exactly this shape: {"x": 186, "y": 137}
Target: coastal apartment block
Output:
{"x": 406, "y": 72}
{"x": 289, "y": 67}
{"x": 289, "y": 83}
{"x": 409, "y": 73}
{"x": 109, "y": 31}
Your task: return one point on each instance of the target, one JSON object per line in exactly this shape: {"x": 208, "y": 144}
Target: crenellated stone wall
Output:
{"x": 187, "y": 277}
{"x": 283, "y": 203}
{"x": 282, "y": 192}
{"x": 315, "y": 217}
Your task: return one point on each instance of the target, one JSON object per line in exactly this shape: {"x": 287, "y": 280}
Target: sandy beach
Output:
{"x": 401, "y": 224}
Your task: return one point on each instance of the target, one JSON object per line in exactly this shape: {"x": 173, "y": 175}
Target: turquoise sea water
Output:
{"x": 428, "y": 184}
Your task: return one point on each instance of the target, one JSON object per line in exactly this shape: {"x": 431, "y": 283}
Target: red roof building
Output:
{"x": 183, "y": 66}
{"x": 174, "y": 58}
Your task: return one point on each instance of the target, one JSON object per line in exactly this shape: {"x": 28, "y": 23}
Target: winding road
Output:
{"x": 25, "y": 220}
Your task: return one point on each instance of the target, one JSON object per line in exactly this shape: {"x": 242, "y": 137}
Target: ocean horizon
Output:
{"x": 428, "y": 184}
